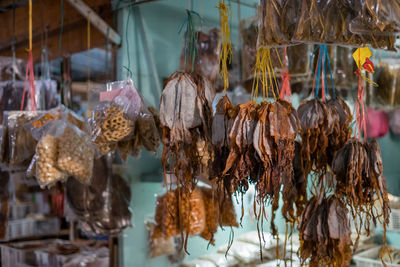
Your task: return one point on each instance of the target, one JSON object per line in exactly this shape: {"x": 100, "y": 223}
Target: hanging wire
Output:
{"x": 60, "y": 50}
{"x": 14, "y": 63}
{"x": 190, "y": 40}
{"x": 128, "y": 69}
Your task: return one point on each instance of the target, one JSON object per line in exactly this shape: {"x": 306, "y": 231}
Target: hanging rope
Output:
{"x": 60, "y": 49}
{"x": 264, "y": 70}
{"x": 226, "y": 46}
{"x": 128, "y": 69}
{"x": 29, "y": 68}
{"x": 190, "y": 41}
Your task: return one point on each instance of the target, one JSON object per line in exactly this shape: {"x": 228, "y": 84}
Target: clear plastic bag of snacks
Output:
{"x": 178, "y": 212}
{"x": 380, "y": 17}
{"x": 114, "y": 117}
{"x": 20, "y": 146}
{"x": 277, "y": 21}
{"x": 76, "y": 153}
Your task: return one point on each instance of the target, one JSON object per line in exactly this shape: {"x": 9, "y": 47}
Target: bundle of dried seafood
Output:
{"x": 340, "y": 120}
{"x": 186, "y": 117}
{"x": 274, "y": 142}
{"x": 221, "y": 126}
{"x": 294, "y": 191}
{"x": 242, "y": 160}
{"x": 359, "y": 179}
{"x": 315, "y": 121}
{"x": 324, "y": 233}
{"x": 277, "y": 22}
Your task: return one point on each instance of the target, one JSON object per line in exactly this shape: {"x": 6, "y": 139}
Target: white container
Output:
{"x": 394, "y": 220}
{"x": 370, "y": 258}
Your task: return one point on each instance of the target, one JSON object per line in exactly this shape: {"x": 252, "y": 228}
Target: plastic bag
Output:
{"x": 387, "y": 76}
{"x": 395, "y": 121}
{"x": 21, "y": 145}
{"x": 114, "y": 118}
{"x": 208, "y": 49}
{"x": 3, "y": 136}
{"x": 103, "y": 206}
{"x": 76, "y": 155}
{"x": 46, "y": 157}
{"x": 378, "y": 123}
{"x": 159, "y": 246}
{"x": 177, "y": 213}
{"x": 380, "y": 17}
{"x": 277, "y": 22}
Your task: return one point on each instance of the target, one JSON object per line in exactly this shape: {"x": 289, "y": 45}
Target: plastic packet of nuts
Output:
{"x": 40, "y": 126}
{"x": 113, "y": 119}
{"x": 62, "y": 151}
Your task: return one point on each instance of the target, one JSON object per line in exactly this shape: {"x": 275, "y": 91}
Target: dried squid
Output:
{"x": 242, "y": 161}
{"x": 186, "y": 116}
{"x": 340, "y": 124}
{"x": 274, "y": 142}
{"x": 324, "y": 233}
{"x": 316, "y": 125}
{"x": 359, "y": 180}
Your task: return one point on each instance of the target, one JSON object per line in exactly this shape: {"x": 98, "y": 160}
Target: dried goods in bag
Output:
{"x": 381, "y": 17}
{"x": 76, "y": 154}
{"x": 277, "y": 22}
{"x": 174, "y": 216}
{"x": 102, "y": 206}
{"x": 20, "y": 146}
{"x": 114, "y": 118}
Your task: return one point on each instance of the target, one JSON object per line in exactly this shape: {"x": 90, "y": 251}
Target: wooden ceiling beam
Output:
{"x": 47, "y": 19}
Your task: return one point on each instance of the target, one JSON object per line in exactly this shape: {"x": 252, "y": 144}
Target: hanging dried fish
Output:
{"x": 359, "y": 180}
{"x": 242, "y": 161}
{"x": 314, "y": 120}
{"x": 294, "y": 191}
{"x": 221, "y": 126}
{"x": 186, "y": 116}
{"x": 274, "y": 142}
{"x": 341, "y": 118}
{"x": 324, "y": 233}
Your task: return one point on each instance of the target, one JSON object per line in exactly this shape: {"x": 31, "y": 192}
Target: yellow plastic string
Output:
{"x": 226, "y": 47}
{"x": 30, "y": 25}
{"x": 264, "y": 70}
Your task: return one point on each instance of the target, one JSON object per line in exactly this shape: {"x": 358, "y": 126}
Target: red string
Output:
{"x": 29, "y": 73}
{"x": 315, "y": 74}
{"x": 285, "y": 90}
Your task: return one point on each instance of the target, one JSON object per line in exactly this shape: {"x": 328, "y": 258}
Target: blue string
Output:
{"x": 189, "y": 30}
{"x": 330, "y": 71}
{"x": 325, "y": 55}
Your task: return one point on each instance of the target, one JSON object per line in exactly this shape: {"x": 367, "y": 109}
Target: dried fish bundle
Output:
{"x": 340, "y": 120}
{"x": 294, "y": 191}
{"x": 314, "y": 131}
{"x": 242, "y": 161}
{"x": 274, "y": 142}
{"x": 310, "y": 24}
{"x": 221, "y": 126}
{"x": 186, "y": 117}
{"x": 359, "y": 178}
{"x": 324, "y": 233}
{"x": 380, "y": 17}
{"x": 276, "y": 23}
